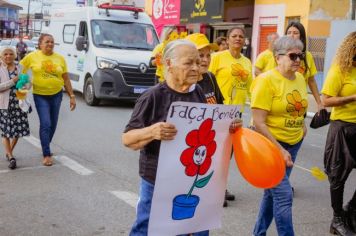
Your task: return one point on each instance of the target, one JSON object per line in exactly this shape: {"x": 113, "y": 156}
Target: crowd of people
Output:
{"x": 195, "y": 70}
{"x": 49, "y": 75}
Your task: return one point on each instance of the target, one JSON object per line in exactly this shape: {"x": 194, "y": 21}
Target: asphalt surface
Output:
{"x": 92, "y": 189}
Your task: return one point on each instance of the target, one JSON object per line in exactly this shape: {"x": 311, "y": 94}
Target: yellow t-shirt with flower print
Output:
{"x": 338, "y": 84}
{"x": 286, "y": 102}
{"x": 265, "y": 61}
{"x": 159, "y": 68}
{"x": 47, "y": 72}
{"x": 234, "y": 76}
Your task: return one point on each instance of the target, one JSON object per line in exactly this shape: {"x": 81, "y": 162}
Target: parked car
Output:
{"x": 35, "y": 41}
{"x": 4, "y": 43}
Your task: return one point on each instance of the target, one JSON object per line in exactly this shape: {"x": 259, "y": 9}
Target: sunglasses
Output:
{"x": 294, "y": 56}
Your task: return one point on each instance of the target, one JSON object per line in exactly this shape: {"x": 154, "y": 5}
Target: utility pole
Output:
{"x": 28, "y": 17}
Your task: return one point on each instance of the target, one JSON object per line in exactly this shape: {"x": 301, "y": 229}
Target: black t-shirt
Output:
{"x": 152, "y": 107}
{"x": 211, "y": 89}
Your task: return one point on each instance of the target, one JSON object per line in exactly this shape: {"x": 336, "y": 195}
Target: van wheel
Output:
{"x": 89, "y": 94}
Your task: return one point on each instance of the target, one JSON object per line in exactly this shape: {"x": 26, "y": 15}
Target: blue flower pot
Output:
{"x": 183, "y": 207}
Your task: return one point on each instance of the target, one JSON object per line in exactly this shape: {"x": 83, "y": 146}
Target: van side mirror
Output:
{"x": 81, "y": 43}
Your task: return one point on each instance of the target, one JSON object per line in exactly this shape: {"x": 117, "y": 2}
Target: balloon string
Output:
{"x": 300, "y": 167}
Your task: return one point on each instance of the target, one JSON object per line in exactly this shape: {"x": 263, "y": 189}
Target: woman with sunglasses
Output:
{"x": 339, "y": 92}
{"x": 279, "y": 102}
{"x": 307, "y": 66}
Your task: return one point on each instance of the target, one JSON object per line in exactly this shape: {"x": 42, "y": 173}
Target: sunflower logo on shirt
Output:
{"x": 238, "y": 71}
{"x": 296, "y": 106}
{"x": 49, "y": 67}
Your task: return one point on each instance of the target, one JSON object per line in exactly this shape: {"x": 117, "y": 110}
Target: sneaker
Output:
{"x": 350, "y": 215}
{"x": 229, "y": 196}
{"x": 12, "y": 164}
{"x": 338, "y": 227}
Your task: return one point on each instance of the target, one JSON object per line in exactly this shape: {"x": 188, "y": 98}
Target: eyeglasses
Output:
{"x": 294, "y": 56}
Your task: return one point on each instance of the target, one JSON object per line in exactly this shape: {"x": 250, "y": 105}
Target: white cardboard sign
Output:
{"x": 192, "y": 170}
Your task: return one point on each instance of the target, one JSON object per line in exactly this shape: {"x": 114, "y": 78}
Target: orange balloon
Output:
{"x": 258, "y": 159}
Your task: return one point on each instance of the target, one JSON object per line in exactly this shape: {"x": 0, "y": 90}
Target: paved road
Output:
{"x": 92, "y": 188}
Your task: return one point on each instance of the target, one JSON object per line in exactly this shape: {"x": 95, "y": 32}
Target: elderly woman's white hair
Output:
{"x": 170, "y": 51}
{"x": 284, "y": 44}
{"x": 6, "y": 48}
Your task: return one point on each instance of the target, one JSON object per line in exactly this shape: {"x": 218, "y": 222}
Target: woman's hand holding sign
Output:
{"x": 163, "y": 131}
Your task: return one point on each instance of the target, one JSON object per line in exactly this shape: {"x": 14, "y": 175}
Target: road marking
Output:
{"x": 128, "y": 197}
{"x": 24, "y": 168}
{"x": 66, "y": 161}
{"x": 34, "y": 141}
{"x": 73, "y": 165}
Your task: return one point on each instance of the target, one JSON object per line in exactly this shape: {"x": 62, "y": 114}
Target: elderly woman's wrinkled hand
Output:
{"x": 164, "y": 131}
{"x": 235, "y": 125}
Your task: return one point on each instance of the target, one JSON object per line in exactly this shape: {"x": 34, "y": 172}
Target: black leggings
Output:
{"x": 339, "y": 161}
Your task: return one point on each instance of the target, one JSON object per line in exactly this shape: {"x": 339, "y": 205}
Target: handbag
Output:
{"x": 320, "y": 119}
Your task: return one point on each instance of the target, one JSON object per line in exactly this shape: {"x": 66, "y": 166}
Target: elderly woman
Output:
{"x": 339, "y": 92}
{"x": 147, "y": 126}
{"x": 49, "y": 71}
{"x": 279, "y": 103}
{"x": 13, "y": 121}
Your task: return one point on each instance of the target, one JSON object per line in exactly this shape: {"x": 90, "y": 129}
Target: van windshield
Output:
{"x": 126, "y": 35}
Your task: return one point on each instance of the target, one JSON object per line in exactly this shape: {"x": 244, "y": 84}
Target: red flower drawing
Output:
{"x": 197, "y": 158}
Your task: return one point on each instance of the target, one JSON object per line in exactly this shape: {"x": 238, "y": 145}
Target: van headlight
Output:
{"x": 104, "y": 63}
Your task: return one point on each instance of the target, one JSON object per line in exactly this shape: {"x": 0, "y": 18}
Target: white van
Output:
{"x": 107, "y": 50}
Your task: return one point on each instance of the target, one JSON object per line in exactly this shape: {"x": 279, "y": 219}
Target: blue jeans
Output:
{"x": 277, "y": 202}
{"x": 48, "y": 111}
{"x": 140, "y": 227}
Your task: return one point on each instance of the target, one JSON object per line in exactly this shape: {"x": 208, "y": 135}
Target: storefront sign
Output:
{"x": 165, "y": 12}
{"x": 199, "y": 11}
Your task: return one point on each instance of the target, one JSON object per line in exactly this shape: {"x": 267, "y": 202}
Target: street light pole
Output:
{"x": 28, "y": 17}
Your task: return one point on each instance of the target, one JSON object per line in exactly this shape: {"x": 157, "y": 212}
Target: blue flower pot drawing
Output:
{"x": 184, "y": 207}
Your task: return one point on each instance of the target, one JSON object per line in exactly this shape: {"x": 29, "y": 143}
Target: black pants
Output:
{"x": 339, "y": 161}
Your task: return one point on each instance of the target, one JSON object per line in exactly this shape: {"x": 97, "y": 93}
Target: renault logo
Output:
{"x": 142, "y": 67}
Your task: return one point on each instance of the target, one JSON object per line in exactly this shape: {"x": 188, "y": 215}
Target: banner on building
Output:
{"x": 165, "y": 12}
{"x": 202, "y": 11}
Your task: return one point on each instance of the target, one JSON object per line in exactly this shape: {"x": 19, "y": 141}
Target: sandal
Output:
{"x": 47, "y": 161}
{"x": 12, "y": 164}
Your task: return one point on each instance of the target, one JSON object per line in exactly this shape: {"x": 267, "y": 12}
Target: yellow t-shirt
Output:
{"x": 47, "y": 72}
{"x": 265, "y": 61}
{"x": 159, "y": 68}
{"x": 234, "y": 76}
{"x": 341, "y": 85}
{"x": 311, "y": 64}
{"x": 286, "y": 102}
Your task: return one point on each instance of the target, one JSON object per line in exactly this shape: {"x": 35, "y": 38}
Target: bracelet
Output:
{"x": 72, "y": 96}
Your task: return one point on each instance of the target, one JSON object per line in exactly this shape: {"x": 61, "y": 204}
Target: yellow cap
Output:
{"x": 201, "y": 41}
